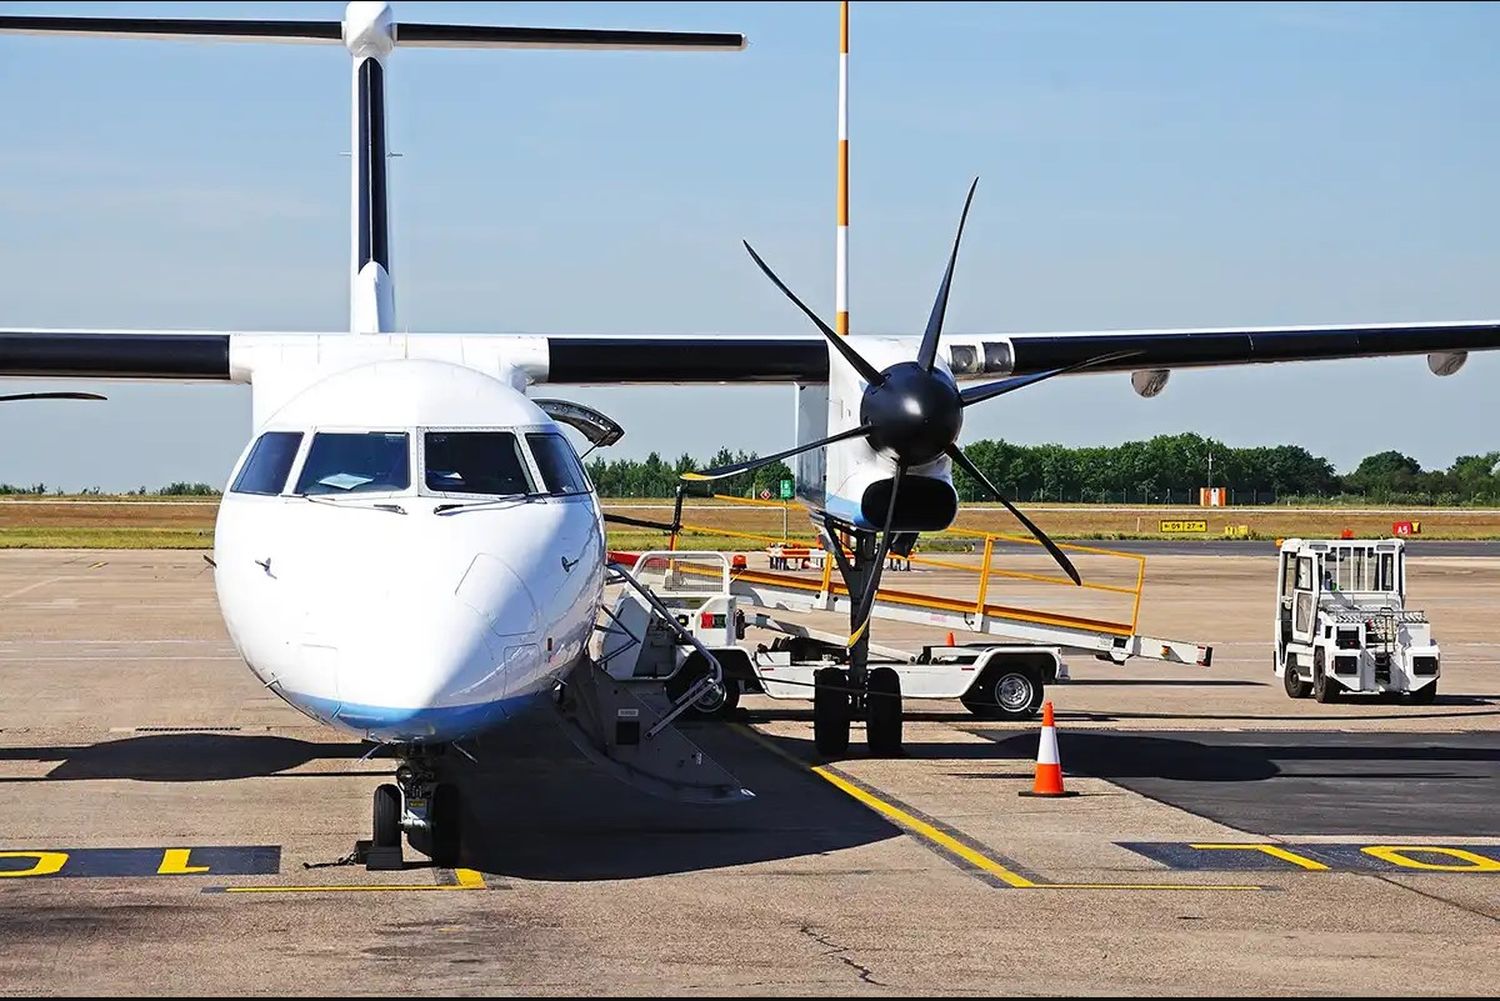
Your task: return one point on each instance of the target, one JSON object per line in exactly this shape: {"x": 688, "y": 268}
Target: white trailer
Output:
{"x": 1342, "y": 624}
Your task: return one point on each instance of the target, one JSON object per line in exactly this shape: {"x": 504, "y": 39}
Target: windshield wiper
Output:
{"x": 470, "y": 505}
{"x": 386, "y": 506}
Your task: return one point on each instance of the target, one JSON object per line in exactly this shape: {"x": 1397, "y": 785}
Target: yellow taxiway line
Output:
{"x": 927, "y": 832}
{"x": 466, "y": 879}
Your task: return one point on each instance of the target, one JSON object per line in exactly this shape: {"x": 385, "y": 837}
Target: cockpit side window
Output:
{"x": 356, "y": 462}
{"x": 561, "y": 471}
{"x": 269, "y": 463}
{"x": 475, "y": 462}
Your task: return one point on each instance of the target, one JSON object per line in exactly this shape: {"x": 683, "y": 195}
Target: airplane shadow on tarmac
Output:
{"x": 536, "y": 809}
{"x": 533, "y": 807}
{"x": 181, "y": 757}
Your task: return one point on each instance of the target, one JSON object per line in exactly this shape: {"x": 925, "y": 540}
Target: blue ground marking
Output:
{"x": 1410, "y": 855}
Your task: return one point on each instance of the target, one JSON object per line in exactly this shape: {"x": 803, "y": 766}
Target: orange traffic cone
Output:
{"x": 1049, "y": 780}
{"x": 950, "y": 638}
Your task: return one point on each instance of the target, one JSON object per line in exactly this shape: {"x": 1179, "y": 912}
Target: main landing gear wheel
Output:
{"x": 831, "y": 706}
{"x": 883, "y": 712}
{"x": 387, "y": 829}
{"x": 1295, "y": 686}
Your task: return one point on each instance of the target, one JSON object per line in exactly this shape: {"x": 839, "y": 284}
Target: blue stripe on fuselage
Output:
{"x": 419, "y": 724}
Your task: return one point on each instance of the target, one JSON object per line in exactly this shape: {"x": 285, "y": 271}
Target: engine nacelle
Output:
{"x": 927, "y": 501}
{"x": 1149, "y": 382}
{"x": 858, "y": 477}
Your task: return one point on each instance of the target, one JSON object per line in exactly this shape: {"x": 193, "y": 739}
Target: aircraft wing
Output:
{"x": 1168, "y": 349}
{"x": 625, "y": 359}
{"x": 648, "y": 358}
{"x": 115, "y": 354}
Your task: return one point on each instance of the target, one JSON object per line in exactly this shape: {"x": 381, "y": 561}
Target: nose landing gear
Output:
{"x": 842, "y": 695}
{"x": 417, "y": 803}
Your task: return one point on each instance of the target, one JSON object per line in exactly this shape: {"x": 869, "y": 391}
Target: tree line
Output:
{"x": 655, "y": 477}
{"x": 178, "y": 489}
{"x": 1167, "y": 469}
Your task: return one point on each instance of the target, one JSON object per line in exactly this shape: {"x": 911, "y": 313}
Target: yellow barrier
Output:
{"x": 985, "y": 573}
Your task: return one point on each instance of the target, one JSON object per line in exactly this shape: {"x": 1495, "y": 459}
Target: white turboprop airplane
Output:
{"x": 409, "y": 550}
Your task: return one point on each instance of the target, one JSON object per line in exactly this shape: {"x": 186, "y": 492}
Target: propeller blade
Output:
{"x": 957, "y": 455}
{"x": 990, "y": 390}
{"x": 927, "y": 353}
{"x": 50, "y": 396}
{"x": 766, "y": 460}
{"x": 867, "y": 600}
{"x": 867, "y": 371}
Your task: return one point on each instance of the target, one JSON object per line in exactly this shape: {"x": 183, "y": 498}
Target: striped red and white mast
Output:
{"x": 841, "y": 251}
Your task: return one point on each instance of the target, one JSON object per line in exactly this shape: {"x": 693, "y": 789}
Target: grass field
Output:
{"x": 117, "y": 523}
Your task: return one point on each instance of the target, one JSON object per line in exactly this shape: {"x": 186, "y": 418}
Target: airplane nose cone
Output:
{"x": 499, "y": 596}
{"x": 428, "y": 663}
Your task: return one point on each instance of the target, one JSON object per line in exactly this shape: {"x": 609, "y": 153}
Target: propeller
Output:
{"x": 913, "y": 411}
{"x": 50, "y": 396}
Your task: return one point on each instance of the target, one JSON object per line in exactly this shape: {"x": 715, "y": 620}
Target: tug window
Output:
{"x": 1387, "y": 579}
{"x": 475, "y": 462}
{"x": 270, "y": 461}
{"x": 357, "y": 462}
{"x": 560, "y": 469}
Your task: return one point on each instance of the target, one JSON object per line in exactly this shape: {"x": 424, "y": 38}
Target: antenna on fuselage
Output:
{"x": 370, "y": 32}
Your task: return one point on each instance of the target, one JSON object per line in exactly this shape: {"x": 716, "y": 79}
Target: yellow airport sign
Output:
{"x": 1183, "y": 527}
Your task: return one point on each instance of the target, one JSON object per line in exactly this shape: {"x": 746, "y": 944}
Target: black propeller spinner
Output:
{"x": 913, "y": 411}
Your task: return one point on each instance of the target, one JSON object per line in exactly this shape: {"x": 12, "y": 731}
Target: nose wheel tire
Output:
{"x": 387, "y": 819}
{"x": 883, "y": 713}
{"x": 831, "y": 711}
{"x": 446, "y": 826}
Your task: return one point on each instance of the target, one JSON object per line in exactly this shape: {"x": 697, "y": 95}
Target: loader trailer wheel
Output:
{"x": 1006, "y": 692}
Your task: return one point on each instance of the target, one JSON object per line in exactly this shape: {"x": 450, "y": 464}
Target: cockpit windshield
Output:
{"x": 475, "y": 462}
{"x": 559, "y": 465}
{"x": 356, "y": 462}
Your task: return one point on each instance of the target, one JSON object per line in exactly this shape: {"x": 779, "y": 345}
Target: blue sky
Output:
{"x": 1141, "y": 166}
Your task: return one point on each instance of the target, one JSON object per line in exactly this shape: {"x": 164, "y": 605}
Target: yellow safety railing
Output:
{"x": 1129, "y": 585}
